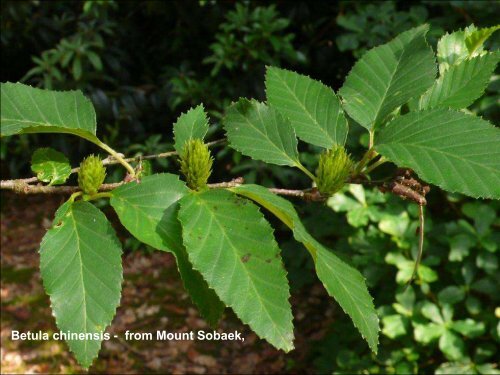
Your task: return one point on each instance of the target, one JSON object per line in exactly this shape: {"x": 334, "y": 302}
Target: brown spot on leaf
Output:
{"x": 245, "y": 258}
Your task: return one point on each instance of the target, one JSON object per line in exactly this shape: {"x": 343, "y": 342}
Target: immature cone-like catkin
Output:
{"x": 333, "y": 170}
{"x": 196, "y": 164}
{"x": 91, "y": 174}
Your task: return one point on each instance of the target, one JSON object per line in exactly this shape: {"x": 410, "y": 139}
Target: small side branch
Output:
{"x": 21, "y": 187}
{"x": 230, "y": 184}
{"x": 420, "y": 244}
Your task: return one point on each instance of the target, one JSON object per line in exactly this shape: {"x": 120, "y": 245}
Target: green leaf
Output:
{"x": 231, "y": 244}
{"x": 406, "y": 300}
{"x": 387, "y": 76}
{"x": 460, "y": 246}
{"x": 80, "y": 264}
{"x": 348, "y": 287}
{"x": 451, "y": 49}
{"x": 343, "y": 282}
{"x": 452, "y": 346}
{"x": 426, "y": 333}
{"x": 475, "y": 38}
{"x": 358, "y": 217}
{"x": 394, "y": 224}
{"x": 260, "y": 132}
{"x": 312, "y": 107}
{"x": 95, "y": 60}
{"x": 462, "y": 84}
{"x": 394, "y": 326}
{"x": 457, "y": 368}
{"x": 482, "y": 214}
{"x": 149, "y": 212}
{"x": 453, "y": 150}
{"x": 468, "y": 327}
{"x": 50, "y": 166}
{"x": 431, "y": 312}
{"x": 451, "y": 295}
{"x": 26, "y": 109}
{"x": 190, "y": 125}
{"x": 488, "y": 369}
{"x": 77, "y": 68}
{"x": 456, "y": 47}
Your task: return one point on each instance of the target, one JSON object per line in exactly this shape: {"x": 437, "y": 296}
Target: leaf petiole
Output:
{"x": 306, "y": 171}
{"x": 74, "y": 195}
{"x": 97, "y": 196}
{"x": 378, "y": 163}
{"x": 117, "y": 156}
{"x": 369, "y": 155}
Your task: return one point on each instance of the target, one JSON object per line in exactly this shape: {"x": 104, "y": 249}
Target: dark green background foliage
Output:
{"x": 142, "y": 63}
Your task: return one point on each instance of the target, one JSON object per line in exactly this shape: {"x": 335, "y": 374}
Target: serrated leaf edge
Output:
{"x": 292, "y": 346}
{"x": 341, "y": 108}
{"x": 65, "y": 213}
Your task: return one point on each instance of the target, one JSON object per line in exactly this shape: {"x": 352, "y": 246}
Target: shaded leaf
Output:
{"x": 451, "y": 295}
{"x": 95, "y": 60}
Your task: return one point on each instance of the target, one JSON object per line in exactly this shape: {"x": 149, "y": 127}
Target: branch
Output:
{"x": 21, "y": 187}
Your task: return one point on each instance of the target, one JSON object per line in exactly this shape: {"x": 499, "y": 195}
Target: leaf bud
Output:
{"x": 91, "y": 174}
{"x": 334, "y": 168}
{"x": 196, "y": 163}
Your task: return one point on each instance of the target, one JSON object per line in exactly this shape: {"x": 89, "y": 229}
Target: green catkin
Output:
{"x": 334, "y": 168}
{"x": 196, "y": 164}
{"x": 91, "y": 174}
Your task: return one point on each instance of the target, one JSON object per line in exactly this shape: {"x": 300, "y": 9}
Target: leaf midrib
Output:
{"x": 81, "y": 278}
{"x": 294, "y": 162}
{"x": 305, "y": 109}
{"x": 384, "y": 96}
